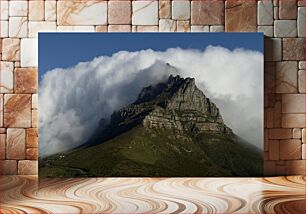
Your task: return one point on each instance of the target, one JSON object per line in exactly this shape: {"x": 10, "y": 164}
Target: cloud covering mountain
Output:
{"x": 73, "y": 100}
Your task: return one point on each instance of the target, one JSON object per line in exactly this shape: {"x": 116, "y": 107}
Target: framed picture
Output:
{"x": 149, "y": 104}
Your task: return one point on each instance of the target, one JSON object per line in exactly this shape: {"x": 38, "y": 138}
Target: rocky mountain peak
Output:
{"x": 176, "y": 104}
{"x": 183, "y": 106}
{"x": 178, "y": 79}
{"x": 165, "y": 90}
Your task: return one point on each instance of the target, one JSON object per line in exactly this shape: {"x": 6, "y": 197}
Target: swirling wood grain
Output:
{"x": 27, "y": 194}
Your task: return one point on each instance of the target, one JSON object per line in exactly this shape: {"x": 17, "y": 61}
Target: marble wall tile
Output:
{"x": 286, "y": 77}
{"x": 293, "y": 120}
{"x": 27, "y": 167}
{"x": 1, "y": 111}
{"x": 301, "y": 21}
{"x": 216, "y": 28}
{"x": 269, "y": 77}
{"x": 17, "y": 110}
{"x": 265, "y": 12}
{"x": 275, "y": 13}
{"x": 207, "y": 12}
{"x": 302, "y": 65}
{"x": 7, "y": 77}
{"x": 267, "y": 30}
{"x": 277, "y": 115}
{"x": 297, "y": 133}
{"x": 295, "y": 167}
{"x": 290, "y": 149}
{"x": 32, "y": 154}
{"x": 266, "y": 142}
{"x": 34, "y": 101}
{"x": 287, "y": 9}
{"x": 119, "y": 28}
{"x": 37, "y": 26}
{"x": 293, "y": 103}
{"x": 32, "y": 138}
{"x": 29, "y": 53}
{"x": 50, "y": 10}
{"x": 167, "y": 25}
{"x": 269, "y": 118}
{"x": 301, "y": 3}
{"x": 8, "y": 167}
{"x": 280, "y": 169}
{"x": 4, "y": 9}
{"x": 301, "y": 81}
{"x": 280, "y": 133}
{"x": 145, "y": 13}
{"x": 26, "y": 80}
{"x": 273, "y": 149}
{"x": 180, "y": 10}
{"x": 2, "y": 146}
{"x": 75, "y": 29}
{"x": 119, "y": 12}
{"x": 4, "y": 29}
{"x": 241, "y": 15}
{"x": 18, "y": 8}
{"x": 101, "y": 28}
{"x": 285, "y": 28}
{"x": 293, "y": 49}
{"x": 199, "y": 28}
{"x": 34, "y": 119}
{"x": 91, "y": 12}
{"x": 183, "y": 26}
{"x": 15, "y": 144}
{"x": 269, "y": 168}
{"x": 147, "y": 28}
{"x": 134, "y": 28}
{"x": 165, "y": 9}
{"x": 17, "y": 64}
{"x": 18, "y": 27}
{"x": 36, "y": 10}
{"x": 11, "y": 49}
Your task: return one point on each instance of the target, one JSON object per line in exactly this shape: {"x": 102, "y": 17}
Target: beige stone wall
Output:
{"x": 282, "y": 21}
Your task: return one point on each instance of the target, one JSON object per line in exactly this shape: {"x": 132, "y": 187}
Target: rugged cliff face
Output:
{"x": 175, "y": 104}
{"x": 172, "y": 129}
{"x": 183, "y": 107}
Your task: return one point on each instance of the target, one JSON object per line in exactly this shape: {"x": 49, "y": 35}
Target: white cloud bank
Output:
{"x": 73, "y": 100}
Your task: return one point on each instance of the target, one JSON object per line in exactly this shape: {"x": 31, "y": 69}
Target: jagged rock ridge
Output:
{"x": 187, "y": 109}
{"x": 175, "y": 104}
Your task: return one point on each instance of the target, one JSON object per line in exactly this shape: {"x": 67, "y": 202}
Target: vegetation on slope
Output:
{"x": 156, "y": 152}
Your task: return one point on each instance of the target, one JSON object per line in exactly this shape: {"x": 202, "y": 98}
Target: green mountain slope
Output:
{"x": 156, "y": 152}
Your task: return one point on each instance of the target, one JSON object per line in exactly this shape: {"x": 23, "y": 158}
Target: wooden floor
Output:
{"x": 138, "y": 195}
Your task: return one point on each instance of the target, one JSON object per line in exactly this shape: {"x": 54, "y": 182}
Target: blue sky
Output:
{"x": 62, "y": 50}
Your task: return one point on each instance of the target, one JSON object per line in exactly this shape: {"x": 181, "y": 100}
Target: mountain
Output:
{"x": 172, "y": 129}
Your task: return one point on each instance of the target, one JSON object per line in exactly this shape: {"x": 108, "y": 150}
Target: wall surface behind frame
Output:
{"x": 282, "y": 22}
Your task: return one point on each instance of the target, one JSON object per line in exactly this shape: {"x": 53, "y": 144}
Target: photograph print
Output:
{"x": 150, "y": 104}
